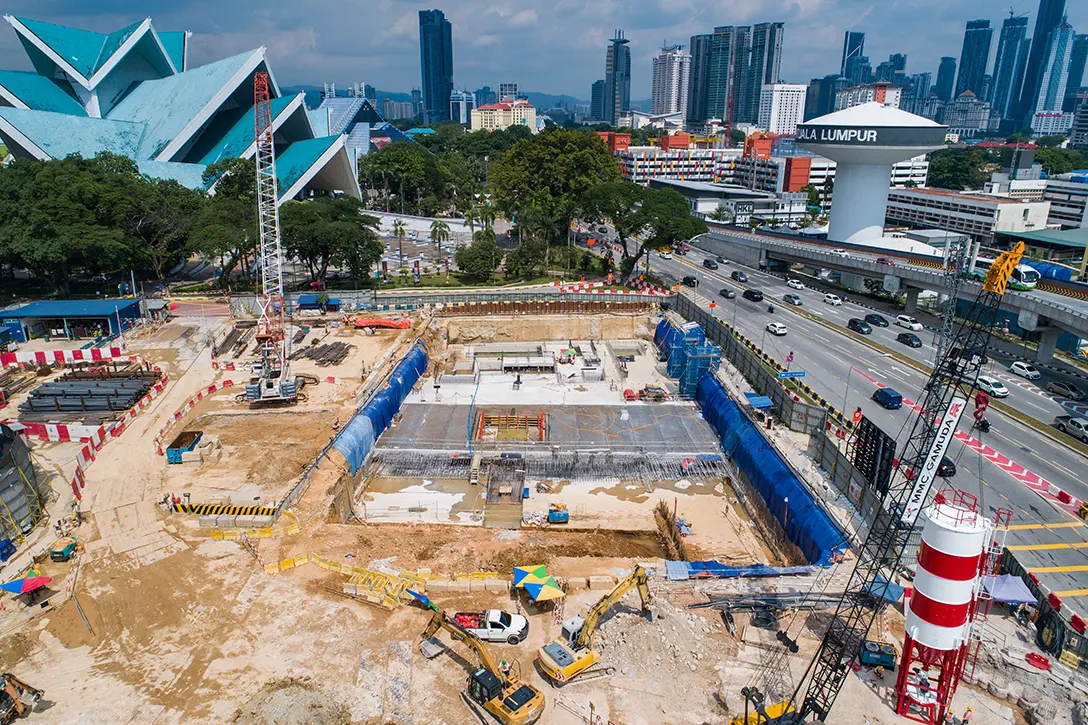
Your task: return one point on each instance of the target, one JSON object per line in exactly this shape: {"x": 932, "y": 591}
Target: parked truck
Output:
{"x": 494, "y": 625}
{"x": 1074, "y": 426}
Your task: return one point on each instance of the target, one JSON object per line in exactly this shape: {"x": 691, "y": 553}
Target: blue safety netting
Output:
{"x": 363, "y": 430}
{"x": 806, "y": 524}
{"x": 688, "y": 354}
{"x": 681, "y": 570}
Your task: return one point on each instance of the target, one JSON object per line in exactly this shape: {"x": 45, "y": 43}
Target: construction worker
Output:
{"x": 505, "y": 667}
{"x": 950, "y": 718}
{"x": 966, "y": 719}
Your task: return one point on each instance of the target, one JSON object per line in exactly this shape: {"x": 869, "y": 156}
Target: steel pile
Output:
{"x": 99, "y": 396}
{"x": 331, "y": 353}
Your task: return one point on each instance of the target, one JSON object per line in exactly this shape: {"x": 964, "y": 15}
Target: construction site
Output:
{"x": 558, "y": 508}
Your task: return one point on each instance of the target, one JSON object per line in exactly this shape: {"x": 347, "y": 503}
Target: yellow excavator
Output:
{"x": 493, "y": 694}
{"x": 571, "y": 654}
{"x": 17, "y": 698}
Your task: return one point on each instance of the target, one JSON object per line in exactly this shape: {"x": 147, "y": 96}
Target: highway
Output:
{"x": 999, "y": 467}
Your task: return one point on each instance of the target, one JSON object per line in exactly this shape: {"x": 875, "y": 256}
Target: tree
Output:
{"x": 910, "y": 184}
{"x": 958, "y": 169}
{"x": 814, "y": 197}
{"x": 1060, "y": 161}
{"x": 526, "y": 258}
{"x": 721, "y": 213}
{"x": 552, "y": 172}
{"x": 161, "y": 217}
{"x": 665, "y": 220}
{"x": 399, "y": 233}
{"x": 774, "y": 222}
{"x": 472, "y": 217}
{"x": 826, "y": 192}
{"x": 440, "y": 232}
{"x": 479, "y": 259}
{"x": 1018, "y": 138}
{"x": 619, "y": 203}
{"x": 1049, "y": 142}
{"x": 486, "y": 215}
{"x": 226, "y": 225}
{"x": 755, "y": 222}
{"x": 736, "y": 137}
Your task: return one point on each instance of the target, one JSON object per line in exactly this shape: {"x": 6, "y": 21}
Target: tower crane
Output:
{"x": 272, "y": 380}
{"x": 947, "y": 394}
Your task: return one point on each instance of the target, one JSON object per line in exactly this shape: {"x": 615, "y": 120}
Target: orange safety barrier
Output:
{"x": 360, "y": 322}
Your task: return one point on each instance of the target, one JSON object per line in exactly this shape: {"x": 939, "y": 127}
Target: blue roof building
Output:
{"x": 131, "y": 92}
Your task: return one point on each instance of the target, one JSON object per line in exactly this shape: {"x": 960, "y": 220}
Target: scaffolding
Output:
{"x": 22, "y": 500}
{"x": 512, "y": 427}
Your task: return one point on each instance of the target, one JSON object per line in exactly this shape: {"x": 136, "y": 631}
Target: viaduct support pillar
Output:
{"x": 1048, "y": 340}
{"x": 912, "y": 300}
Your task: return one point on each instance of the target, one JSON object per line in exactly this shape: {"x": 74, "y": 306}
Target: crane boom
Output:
{"x": 637, "y": 578}
{"x": 946, "y": 394}
{"x": 441, "y": 620}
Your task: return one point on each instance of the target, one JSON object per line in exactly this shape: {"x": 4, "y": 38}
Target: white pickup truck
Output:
{"x": 494, "y": 625}
{"x": 1076, "y": 427}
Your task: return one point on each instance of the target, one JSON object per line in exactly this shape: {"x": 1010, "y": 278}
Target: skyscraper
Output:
{"x": 1076, "y": 71}
{"x": 596, "y": 101}
{"x": 853, "y": 46}
{"x": 485, "y": 96}
{"x": 617, "y": 78}
{"x": 672, "y": 69}
{"x": 508, "y": 90}
{"x": 782, "y": 107}
{"x": 1009, "y": 64}
{"x": 820, "y": 97}
{"x": 1049, "y": 17}
{"x": 764, "y": 65}
{"x": 436, "y": 64}
{"x": 699, "y": 78}
{"x": 974, "y": 56}
{"x": 858, "y": 70}
{"x": 1055, "y": 72}
{"x": 730, "y": 56}
{"x": 946, "y": 77}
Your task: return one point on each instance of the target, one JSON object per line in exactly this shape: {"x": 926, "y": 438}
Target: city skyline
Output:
{"x": 562, "y": 57}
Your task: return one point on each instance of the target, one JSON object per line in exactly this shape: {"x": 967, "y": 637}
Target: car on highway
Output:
{"x": 753, "y": 294}
{"x": 710, "y": 264}
{"x": 685, "y": 247}
{"x": 1025, "y": 370}
{"x": 689, "y": 281}
{"x": 793, "y": 299}
{"x": 738, "y": 276}
{"x": 909, "y": 339}
{"x": 946, "y": 468}
{"x": 992, "y": 386}
{"x": 795, "y": 284}
{"x": 1064, "y": 389}
{"x": 887, "y": 398}
{"x": 878, "y": 320}
{"x": 860, "y": 326}
{"x": 908, "y": 322}
{"x": 602, "y": 230}
{"x": 840, "y": 253}
{"x": 833, "y": 300}
{"x": 885, "y": 260}
{"x": 727, "y": 293}
{"x": 679, "y": 252}
{"x": 664, "y": 255}
{"x": 776, "y": 328}
{"x": 721, "y": 260}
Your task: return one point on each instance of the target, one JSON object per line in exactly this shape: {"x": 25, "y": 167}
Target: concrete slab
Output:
{"x": 601, "y": 582}
{"x": 460, "y": 585}
{"x": 496, "y": 585}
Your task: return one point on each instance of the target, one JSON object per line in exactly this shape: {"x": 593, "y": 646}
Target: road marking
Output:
{"x": 1059, "y": 569}
{"x": 1048, "y": 547}
{"x": 1048, "y": 527}
{"x": 1072, "y": 593}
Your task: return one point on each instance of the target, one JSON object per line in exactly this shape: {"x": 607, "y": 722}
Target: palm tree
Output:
{"x": 440, "y": 232}
{"x": 721, "y": 214}
{"x": 774, "y": 222}
{"x": 399, "y": 233}
{"x": 472, "y": 216}
{"x": 486, "y": 215}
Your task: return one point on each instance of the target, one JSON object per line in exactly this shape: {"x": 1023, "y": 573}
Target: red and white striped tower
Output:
{"x": 940, "y": 610}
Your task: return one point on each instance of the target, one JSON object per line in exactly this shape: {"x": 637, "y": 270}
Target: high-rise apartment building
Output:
{"x": 1076, "y": 72}
{"x": 820, "y": 97}
{"x": 782, "y": 107}
{"x": 617, "y": 78}
{"x": 1055, "y": 70}
{"x": 946, "y": 78}
{"x": 507, "y": 90}
{"x": 853, "y": 46}
{"x": 699, "y": 78}
{"x": 1049, "y": 17}
{"x": 461, "y": 105}
{"x": 858, "y": 70}
{"x": 672, "y": 70}
{"x": 974, "y": 56}
{"x": 436, "y": 64}
{"x": 485, "y": 96}
{"x": 764, "y": 66}
{"x": 1009, "y": 64}
{"x": 723, "y": 72}
{"x": 596, "y": 101}
{"x": 395, "y": 110}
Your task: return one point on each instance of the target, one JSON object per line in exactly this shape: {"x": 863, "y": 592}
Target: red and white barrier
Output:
{"x": 183, "y": 410}
{"x": 60, "y": 357}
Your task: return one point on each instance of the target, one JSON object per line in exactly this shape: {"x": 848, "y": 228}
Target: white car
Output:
{"x": 908, "y": 322}
{"x": 664, "y": 255}
{"x": 831, "y": 299}
{"x": 776, "y": 328}
{"x": 795, "y": 284}
{"x": 1025, "y": 370}
{"x": 992, "y": 386}
{"x": 840, "y": 252}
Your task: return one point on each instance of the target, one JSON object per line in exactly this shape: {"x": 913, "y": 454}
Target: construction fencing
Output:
{"x": 756, "y": 367}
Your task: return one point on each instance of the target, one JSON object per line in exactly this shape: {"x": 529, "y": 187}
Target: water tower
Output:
{"x": 864, "y": 142}
{"x": 940, "y": 611}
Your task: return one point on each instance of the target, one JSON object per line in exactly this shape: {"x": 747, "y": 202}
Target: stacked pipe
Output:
{"x": 78, "y": 394}
{"x": 332, "y": 353}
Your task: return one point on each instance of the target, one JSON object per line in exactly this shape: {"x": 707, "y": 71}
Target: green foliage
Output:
{"x": 959, "y": 169}
{"x": 526, "y": 258}
{"x": 814, "y": 198}
{"x": 330, "y": 230}
{"x": 480, "y": 258}
{"x": 1060, "y": 161}
{"x": 551, "y": 172}
{"x": 736, "y": 137}
{"x": 226, "y": 225}
{"x": 1018, "y": 138}
{"x": 1049, "y": 142}
{"x": 721, "y": 213}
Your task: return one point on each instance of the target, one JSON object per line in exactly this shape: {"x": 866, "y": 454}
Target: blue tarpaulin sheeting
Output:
{"x": 1008, "y": 589}
{"x": 759, "y": 402}
{"x": 681, "y": 570}
{"x": 363, "y": 430}
{"x": 818, "y": 537}
{"x": 884, "y": 590}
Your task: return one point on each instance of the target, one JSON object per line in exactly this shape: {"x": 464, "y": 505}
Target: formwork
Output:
{"x": 22, "y": 498}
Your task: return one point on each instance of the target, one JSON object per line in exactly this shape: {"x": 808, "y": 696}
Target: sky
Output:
{"x": 551, "y": 47}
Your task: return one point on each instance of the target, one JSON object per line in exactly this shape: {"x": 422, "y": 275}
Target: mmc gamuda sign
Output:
{"x": 883, "y": 136}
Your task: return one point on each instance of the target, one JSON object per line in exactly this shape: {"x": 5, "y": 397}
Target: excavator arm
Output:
{"x": 441, "y": 620}
{"x": 637, "y": 578}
